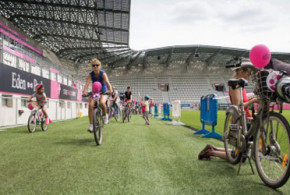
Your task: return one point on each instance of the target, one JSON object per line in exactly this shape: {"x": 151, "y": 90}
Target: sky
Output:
{"x": 227, "y": 23}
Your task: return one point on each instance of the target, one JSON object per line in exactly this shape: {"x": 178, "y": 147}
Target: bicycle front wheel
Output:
{"x": 44, "y": 126}
{"x": 230, "y": 139}
{"x": 98, "y": 126}
{"x": 117, "y": 114}
{"x": 32, "y": 123}
{"x": 124, "y": 113}
{"x": 272, "y": 151}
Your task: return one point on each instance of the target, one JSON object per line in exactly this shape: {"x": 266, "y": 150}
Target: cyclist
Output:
{"x": 244, "y": 71}
{"x": 115, "y": 98}
{"x": 128, "y": 96}
{"x": 97, "y": 75}
{"x": 41, "y": 100}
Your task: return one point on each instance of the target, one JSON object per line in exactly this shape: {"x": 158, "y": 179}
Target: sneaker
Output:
{"x": 106, "y": 119}
{"x": 90, "y": 129}
{"x": 47, "y": 121}
{"x": 204, "y": 154}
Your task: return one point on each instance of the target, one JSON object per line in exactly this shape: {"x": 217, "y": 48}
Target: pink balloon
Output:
{"x": 96, "y": 87}
{"x": 260, "y": 56}
{"x": 30, "y": 106}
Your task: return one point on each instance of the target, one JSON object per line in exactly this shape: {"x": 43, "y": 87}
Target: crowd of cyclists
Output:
{"x": 110, "y": 98}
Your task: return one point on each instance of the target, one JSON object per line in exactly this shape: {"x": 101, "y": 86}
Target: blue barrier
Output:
{"x": 166, "y": 112}
{"x": 209, "y": 115}
{"x": 155, "y": 110}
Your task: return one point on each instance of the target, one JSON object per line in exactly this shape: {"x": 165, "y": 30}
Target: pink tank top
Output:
{"x": 248, "y": 114}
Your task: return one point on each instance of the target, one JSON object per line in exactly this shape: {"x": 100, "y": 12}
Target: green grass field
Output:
{"x": 133, "y": 159}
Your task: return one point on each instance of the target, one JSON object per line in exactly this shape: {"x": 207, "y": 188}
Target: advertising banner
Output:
{"x": 68, "y": 93}
{"x": 17, "y": 81}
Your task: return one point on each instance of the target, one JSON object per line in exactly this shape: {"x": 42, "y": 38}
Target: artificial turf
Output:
{"x": 133, "y": 159}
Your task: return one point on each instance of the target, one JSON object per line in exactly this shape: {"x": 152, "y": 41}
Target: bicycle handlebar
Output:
{"x": 91, "y": 93}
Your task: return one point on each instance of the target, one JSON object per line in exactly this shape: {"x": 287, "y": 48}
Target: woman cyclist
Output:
{"x": 97, "y": 75}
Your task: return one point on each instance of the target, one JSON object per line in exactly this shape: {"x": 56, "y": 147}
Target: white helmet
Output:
{"x": 283, "y": 89}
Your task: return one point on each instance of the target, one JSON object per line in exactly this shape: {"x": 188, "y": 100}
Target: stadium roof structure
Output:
{"x": 74, "y": 29}
{"x": 79, "y": 30}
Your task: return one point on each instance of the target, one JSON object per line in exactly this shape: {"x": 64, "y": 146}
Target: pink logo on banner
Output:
{"x": 29, "y": 85}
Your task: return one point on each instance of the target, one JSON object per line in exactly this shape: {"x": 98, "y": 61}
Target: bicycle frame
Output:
{"x": 256, "y": 125}
{"x": 38, "y": 113}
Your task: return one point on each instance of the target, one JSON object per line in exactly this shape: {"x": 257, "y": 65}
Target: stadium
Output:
{"x": 53, "y": 42}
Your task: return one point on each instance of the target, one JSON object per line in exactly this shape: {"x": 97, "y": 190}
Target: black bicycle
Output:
{"x": 98, "y": 117}
{"x": 126, "y": 112}
{"x": 269, "y": 130}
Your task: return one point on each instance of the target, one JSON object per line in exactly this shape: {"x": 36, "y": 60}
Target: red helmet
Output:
{"x": 38, "y": 86}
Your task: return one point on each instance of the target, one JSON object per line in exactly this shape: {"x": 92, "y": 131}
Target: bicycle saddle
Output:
{"x": 235, "y": 83}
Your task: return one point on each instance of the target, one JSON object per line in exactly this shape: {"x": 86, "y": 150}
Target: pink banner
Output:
{"x": 80, "y": 95}
{"x": 12, "y": 31}
{"x": 53, "y": 70}
{"x": 18, "y": 54}
{"x": 21, "y": 41}
{"x": 54, "y": 89}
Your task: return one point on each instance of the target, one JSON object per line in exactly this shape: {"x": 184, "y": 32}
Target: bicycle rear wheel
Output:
{"x": 98, "y": 126}
{"x": 273, "y": 151}
{"x": 32, "y": 123}
{"x": 230, "y": 140}
{"x": 129, "y": 115}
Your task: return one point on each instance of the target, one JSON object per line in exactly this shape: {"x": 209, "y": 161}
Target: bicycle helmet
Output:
{"x": 147, "y": 96}
{"x": 283, "y": 89}
{"x": 38, "y": 86}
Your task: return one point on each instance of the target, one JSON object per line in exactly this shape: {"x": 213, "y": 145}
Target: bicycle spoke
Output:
{"x": 272, "y": 165}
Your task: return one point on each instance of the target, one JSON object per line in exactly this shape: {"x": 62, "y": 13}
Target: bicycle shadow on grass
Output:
{"x": 224, "y": 169}
{"x": 78, "y": 142}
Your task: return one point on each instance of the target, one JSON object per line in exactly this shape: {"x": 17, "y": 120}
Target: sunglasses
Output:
{"x": 93, "y": 65}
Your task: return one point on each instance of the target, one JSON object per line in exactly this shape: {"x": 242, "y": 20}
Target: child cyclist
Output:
{"x": 41, "y": 100}
{"x": 98, "y": 75}
{"x": 146, "y": 113}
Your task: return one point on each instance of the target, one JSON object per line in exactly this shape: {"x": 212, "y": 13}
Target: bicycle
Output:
{"x": 126, "y": 113}
{"x": 115, "y": 112}
{"x": 36, "y": 116}
{"x": 270, "y": 131}
{"x": 98, "y": 117}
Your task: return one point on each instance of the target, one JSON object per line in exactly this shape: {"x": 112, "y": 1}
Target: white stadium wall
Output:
{"x": 57, "y": 110}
